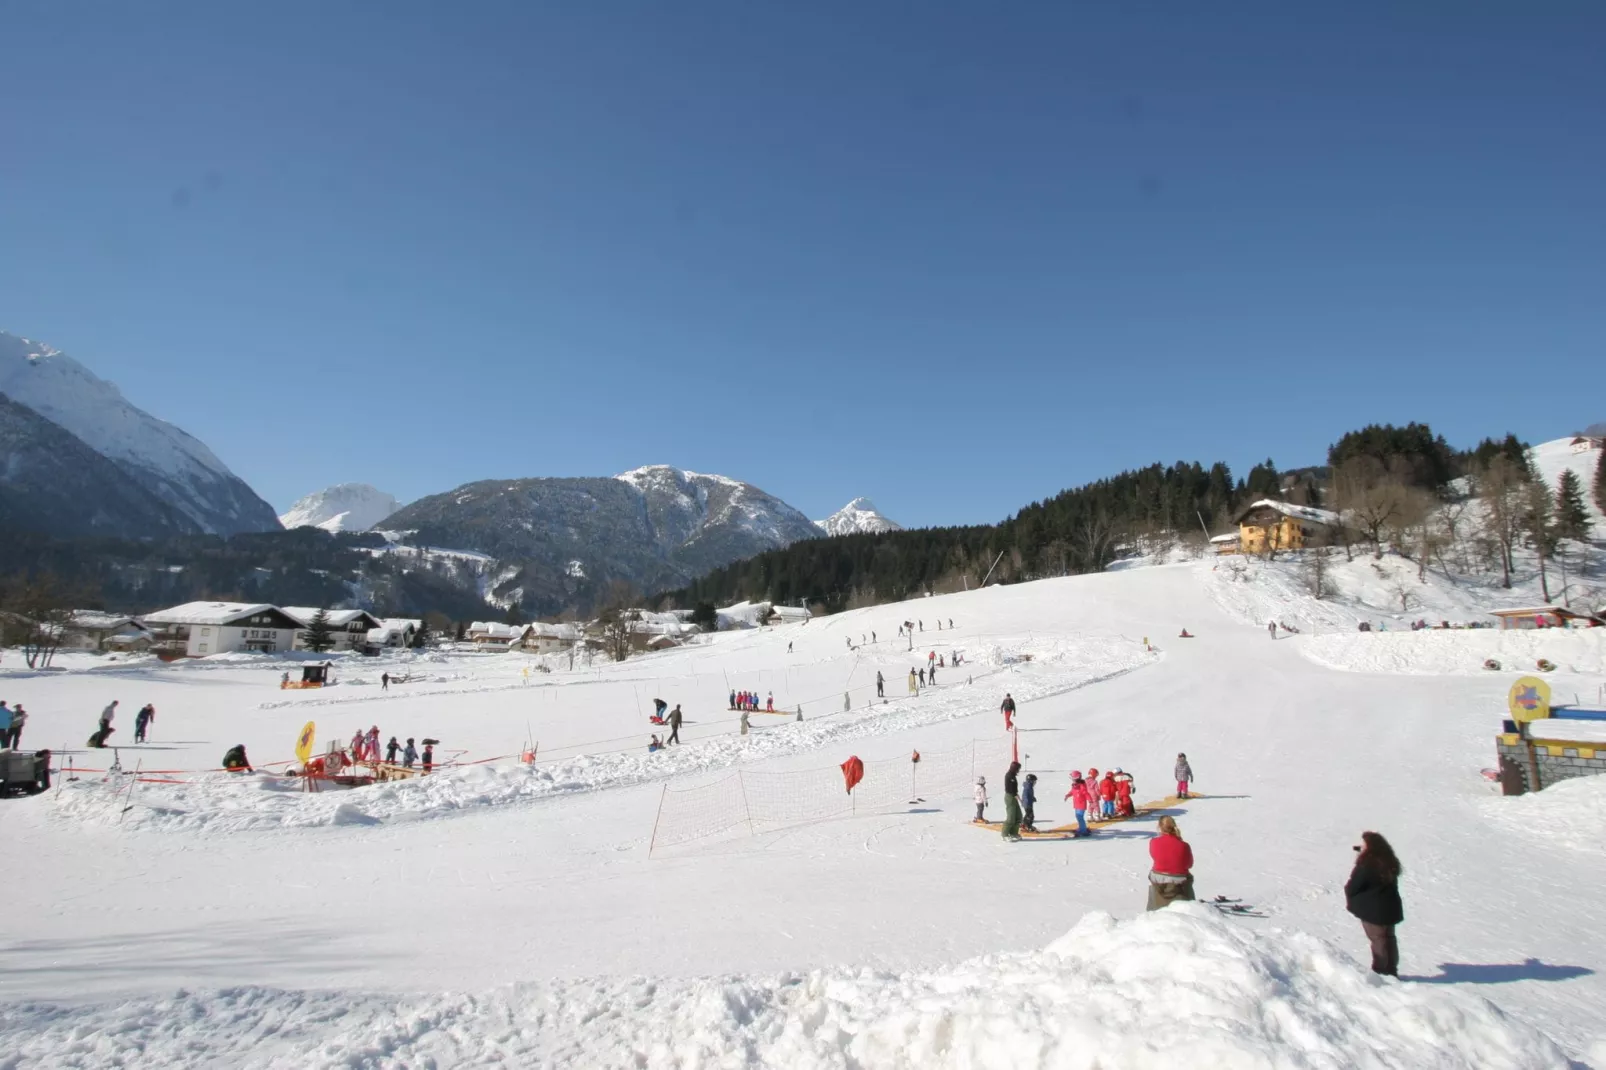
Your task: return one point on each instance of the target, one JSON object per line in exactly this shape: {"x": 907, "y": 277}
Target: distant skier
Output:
{"x": 922, "y": 625}
{"x": 931, "y": 676}
{"x": 1123, "y": 794}
{"x": 674, "y": 725}
{"x": 1184, "y": 773}
{"x": 234, "y": 759}
{"x": 1028, "y": 802}
{"x": 922, "y": 677}
{"x": 769, "y": 702}
{"x": 872, "y": 637}
{"x": 391, "y": 750}
{"x": 1007, "y": 708}
{"x": 1107, "y": 796}
{"x": 429, "y": 757}
{"x": 371, "y": 744}
{"x": 788, "y": 647}
{"x": 1271, "y": 628}
{"x": 108, "y": 713}
{"x": 384, "y": 680}
{"x": 142, "y": 722}
{"x": 410, "y": 754}
{"x": 1012, "y": 814}
{"x": 733, "y": 700}
{"x": 950, "y": 624}
{"x": 981, "y": 798}
{"x": 880, "y": 685}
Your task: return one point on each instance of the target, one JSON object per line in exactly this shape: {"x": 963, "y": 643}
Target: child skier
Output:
{"x": 1107, "y": 796}
{"x": 429, "y": 757}
{"x": 1123, "y": 794}
{"x": 981, "y": 799}
{"x": 410, "y": 754}
{"x": 1184, "y": 773}
{"x": 391, "y": 750}
{"x": 1028, "y": 800}
{"x": 1079, "y": 798}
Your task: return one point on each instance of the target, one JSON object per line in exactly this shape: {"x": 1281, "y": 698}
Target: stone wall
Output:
{"x": 1555, "y": 760}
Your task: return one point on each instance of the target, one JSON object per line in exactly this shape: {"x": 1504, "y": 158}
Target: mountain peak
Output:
{"x": 173, "y": 465}
{"x": 342, "y": 507}
{"x": 858, "y": 517}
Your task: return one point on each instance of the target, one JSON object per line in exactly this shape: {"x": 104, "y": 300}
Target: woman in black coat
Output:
{"x": 1372, "y": 894}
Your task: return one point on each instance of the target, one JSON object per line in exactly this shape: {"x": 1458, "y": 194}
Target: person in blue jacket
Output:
{"x": 1028, "y": 799}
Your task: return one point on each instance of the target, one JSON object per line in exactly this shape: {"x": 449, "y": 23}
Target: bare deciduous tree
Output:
{"x": 1317, "y": 573}
{"x": 1500, "y": 489}
{"x": 41, "y": 611}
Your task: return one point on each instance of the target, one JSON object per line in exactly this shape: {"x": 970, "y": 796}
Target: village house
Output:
{"x": 91, "y": 629}
{"x": 494, "y": 633}
{"x": 1270, "y": 524}
{"x": 1585, "y": 443}
{"x": 348, "y": 628}
{"x": 395, "y": 632}
{"x": 197, "y": 629}
{"x": 550, "y": 638}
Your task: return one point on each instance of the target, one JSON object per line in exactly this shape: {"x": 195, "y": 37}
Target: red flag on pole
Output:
{"x": 852, "y": 773}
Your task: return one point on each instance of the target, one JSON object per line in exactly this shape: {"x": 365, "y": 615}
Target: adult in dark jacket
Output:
{"x": 1012, "y": 814}
{"x": 1372, "y": 894}
{"x": 234, "y": 759}
{"x": 1028, "y": 800}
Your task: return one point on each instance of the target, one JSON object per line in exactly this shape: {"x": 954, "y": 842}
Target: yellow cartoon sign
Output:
{"x": 304, "y": 743}
{"x": 1529, "y": 700}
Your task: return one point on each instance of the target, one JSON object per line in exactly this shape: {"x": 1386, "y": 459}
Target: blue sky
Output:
{"x": 953, "y": 257}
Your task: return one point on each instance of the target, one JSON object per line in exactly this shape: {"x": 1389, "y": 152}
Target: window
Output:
{"x": 206, "y": 631}
{"x": 201, "y": 649}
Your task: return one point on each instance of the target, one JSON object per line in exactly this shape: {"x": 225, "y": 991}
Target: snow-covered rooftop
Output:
{"x": 338, "y": 618}
{"x": 207, "y": 612}
{"x": 97, "y": 620}
{"x": 1298, "y": 512}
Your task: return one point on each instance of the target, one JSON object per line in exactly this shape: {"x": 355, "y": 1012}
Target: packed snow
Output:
{"x": 342, "y": 507}
{"x": 519, "y": 913}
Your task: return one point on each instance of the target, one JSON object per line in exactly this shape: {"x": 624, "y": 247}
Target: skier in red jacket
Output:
{"x": 1123, "y": 794}
{"x": 1107, "y": 796}
{"x": 1079, "y": 800}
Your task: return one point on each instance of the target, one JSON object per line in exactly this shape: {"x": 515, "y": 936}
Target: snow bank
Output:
{"x": 1460, "y": 653}
{"x": 1182, "y": 987}
{"x": 227, "y": 803}
{"x": 1571, "y": 813}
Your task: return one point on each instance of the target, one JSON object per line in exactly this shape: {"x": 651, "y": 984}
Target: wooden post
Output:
{"x": 656, "y": 818}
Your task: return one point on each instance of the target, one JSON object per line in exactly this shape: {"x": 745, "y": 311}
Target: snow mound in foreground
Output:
{"x": 1182, "y": 987}
{"x": 1571, "y": 813}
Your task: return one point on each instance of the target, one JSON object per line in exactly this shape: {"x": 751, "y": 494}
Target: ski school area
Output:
{"x": 811, "y": 886}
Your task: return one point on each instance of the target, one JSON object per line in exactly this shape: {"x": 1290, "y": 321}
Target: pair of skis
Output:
{"x": 1237, "y": 908}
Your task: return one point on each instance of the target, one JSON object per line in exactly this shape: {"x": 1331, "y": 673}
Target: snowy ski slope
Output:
{"x": 502, "y": 913}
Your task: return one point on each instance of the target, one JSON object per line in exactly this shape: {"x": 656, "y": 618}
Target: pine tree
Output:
{"x": 1572, "y": 519}
{"x": 1600, "y": 482}
{"x": 421, "y": 636}
{"x": 320, "y": 635}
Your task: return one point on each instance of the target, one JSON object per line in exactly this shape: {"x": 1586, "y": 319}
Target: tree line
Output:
{"x": 1401, "y": 486}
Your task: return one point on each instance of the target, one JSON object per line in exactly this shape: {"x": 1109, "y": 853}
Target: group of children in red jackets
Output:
{"x": 1108, "y": 798}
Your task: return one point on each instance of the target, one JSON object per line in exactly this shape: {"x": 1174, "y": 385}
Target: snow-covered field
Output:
{"x": 500, "y": 913}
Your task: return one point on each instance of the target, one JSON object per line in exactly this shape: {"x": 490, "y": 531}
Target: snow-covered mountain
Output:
{"x": 173, "y": 465}
{"x": 858, "y": 517}
{"x": 568, "y": 539}
{"x": 342, "y": 507}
